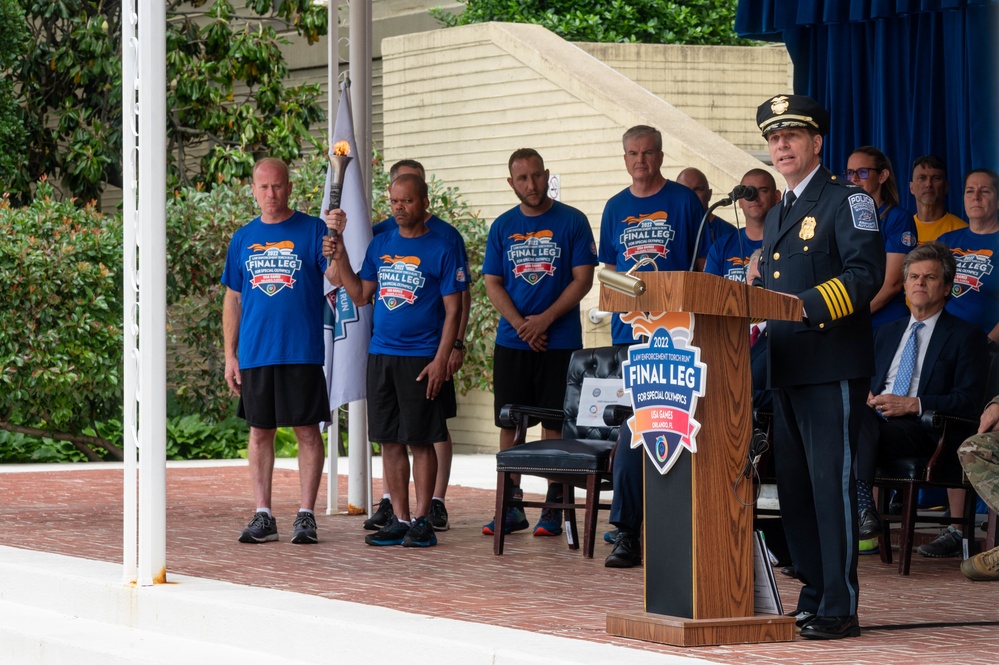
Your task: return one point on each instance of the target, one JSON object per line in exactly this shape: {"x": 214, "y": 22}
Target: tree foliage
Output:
{"x": 13, "y": 40}
{"x": 643, "y": 21}
{"x": 226, "y": 93}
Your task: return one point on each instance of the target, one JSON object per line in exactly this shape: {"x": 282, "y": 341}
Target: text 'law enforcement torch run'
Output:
{"x": 339, "y": 159}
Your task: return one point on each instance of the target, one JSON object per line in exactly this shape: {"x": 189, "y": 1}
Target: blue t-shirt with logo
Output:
{"x": 662, "y": 227}
{"x": 413, "y": 276}
{"x": 535, "y": 257}
{"x": 278, "y": 271}
{"x": 975, "y": 296}
{"x": 899, "y": 231}
{"x": 728, "y": 258}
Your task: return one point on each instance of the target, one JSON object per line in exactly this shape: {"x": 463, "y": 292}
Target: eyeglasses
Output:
{"x": 863, "y": 174}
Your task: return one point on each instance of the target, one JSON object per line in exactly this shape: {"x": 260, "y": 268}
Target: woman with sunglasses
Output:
{"x": 871, "y": 170}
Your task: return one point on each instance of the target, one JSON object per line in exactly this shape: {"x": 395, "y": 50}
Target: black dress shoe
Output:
{"x": 627, "y": 552}
{"x": 801, "y": 617}
{"x": 870, "y": 523}
{"x": 789, "y": 571}
{"x": 831, "y": 628}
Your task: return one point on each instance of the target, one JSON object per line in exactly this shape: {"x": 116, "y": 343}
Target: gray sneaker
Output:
{"x": 261, "y": 529}
{"x": 305, "y": 529}
{"x": 948, "y": 543}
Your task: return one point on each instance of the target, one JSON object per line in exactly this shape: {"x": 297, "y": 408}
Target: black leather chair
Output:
{"x": 582, "y": 458}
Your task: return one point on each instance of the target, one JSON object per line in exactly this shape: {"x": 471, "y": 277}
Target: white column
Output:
{"x": 129, "y": 56}
{"x": 152, "y": 292}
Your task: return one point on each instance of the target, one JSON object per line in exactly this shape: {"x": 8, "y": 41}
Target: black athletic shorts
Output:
{"x": 284, "y": 396}
{"x": 531, "y": 378}
{"x": 398, "y": 408}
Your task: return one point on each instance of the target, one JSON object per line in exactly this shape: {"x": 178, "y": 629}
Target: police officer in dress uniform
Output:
{"x": 823, "y": 246}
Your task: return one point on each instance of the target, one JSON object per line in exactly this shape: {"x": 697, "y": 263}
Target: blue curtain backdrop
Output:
{"x": 908, "y": 76}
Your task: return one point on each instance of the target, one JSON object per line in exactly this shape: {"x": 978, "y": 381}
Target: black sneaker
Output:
{"x": 261, "y": 529}
{"x": 381, "y": 516}
{"x": 438, "y": 515}
{"x": 420, "y": 534}
{"x": 947, "y": 544}
{"x": 392, "y": 533}
{"x": 305, "y": 529}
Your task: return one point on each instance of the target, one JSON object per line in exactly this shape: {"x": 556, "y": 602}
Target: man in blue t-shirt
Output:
{"x": 272, "y": 321}
{"x": 538, "y": 266}
{"x": 444, "y": 449}
{"x": 416, "y": 277}
{"x": 654, "y": 218}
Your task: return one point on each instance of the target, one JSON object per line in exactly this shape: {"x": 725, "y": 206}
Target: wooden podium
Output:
{"x": 698, "y": 547}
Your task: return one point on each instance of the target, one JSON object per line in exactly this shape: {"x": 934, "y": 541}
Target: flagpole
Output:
{"x": 332, "y": 102}
{"x": 359, "y": 474}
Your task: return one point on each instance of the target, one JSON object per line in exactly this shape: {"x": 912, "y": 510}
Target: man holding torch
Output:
{"x": 272, "y": 323}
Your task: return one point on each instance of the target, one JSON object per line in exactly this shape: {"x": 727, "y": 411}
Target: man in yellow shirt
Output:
{"x": 929, "y": 187}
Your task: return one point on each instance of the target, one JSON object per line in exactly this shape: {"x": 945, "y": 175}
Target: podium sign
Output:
{"x": 698, "y": 539}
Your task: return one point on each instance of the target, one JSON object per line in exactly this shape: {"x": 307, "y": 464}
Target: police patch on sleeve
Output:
{"x": 865, "y": 216}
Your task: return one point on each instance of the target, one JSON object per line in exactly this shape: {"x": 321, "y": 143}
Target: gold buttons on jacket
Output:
{"x": 805, "y": 248}
{"x": 776, "y": 256}
{"x": 822, "y": 325}
{"x": 776, "y": 274}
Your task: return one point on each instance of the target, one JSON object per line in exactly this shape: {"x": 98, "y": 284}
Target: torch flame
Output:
{"x": 341, "y": 148}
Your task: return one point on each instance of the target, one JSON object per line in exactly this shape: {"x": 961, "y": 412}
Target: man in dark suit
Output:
{"x": 823, "y": 246}
{"x": 930, "y": 360}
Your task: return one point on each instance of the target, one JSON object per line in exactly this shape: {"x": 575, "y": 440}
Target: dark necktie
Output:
{"x": 754, "y": 334}
{"x": 788, "y": 202}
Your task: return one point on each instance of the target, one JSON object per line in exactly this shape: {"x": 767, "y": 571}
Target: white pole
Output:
{"x": 332, "y": 104}
{"x": 359, "y": 466}
{"x": 129, "y": 285}
{"x": 152, "y": 295}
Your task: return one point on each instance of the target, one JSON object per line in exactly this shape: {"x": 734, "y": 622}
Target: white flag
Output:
{"x": 348, "y": 327}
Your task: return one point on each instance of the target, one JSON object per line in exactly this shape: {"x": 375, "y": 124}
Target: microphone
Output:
{"x": 747, "y": 192}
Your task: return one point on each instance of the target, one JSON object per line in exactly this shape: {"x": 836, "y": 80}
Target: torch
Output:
{"x": 339, "y": 158}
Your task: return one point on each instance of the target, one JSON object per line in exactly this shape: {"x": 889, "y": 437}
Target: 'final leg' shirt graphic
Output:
{"x": 533, "y": 255}
{"x": 975, "y": 294}
{"x": 646, "y": 236}
{"x": 272, "y": 266}
{"x": 399, "y": 280}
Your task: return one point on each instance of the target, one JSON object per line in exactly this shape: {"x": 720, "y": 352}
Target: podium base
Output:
{"x": 682, "y": 632}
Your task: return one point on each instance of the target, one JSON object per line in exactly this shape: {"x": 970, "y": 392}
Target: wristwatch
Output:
{"x": 459, "y": 344}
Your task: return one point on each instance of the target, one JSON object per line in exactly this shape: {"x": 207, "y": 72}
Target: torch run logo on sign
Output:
{"x": 665, "y": 377}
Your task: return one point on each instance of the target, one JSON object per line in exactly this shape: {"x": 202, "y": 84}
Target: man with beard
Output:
{"x": 538, "y": 266}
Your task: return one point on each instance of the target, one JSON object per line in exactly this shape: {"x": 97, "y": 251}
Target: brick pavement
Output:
{"x": 538, "y": 585}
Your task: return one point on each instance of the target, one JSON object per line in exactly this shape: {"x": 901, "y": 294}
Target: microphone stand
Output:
{"x": 727, "y": 201}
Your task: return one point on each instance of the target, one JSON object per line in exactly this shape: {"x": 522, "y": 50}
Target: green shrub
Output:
{"x": 60, "y": 318}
